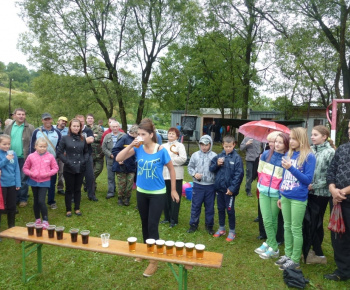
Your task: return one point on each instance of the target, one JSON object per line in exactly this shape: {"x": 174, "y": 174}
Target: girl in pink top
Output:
{"x": 39, "y": 167}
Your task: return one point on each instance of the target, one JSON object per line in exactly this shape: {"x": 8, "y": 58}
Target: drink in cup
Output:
{"x": 51, "y": 231}
{"x": 85, "y": 236}
{"x": 169, "y": 245}
{"x": 132, "y": 244}
{"x": 150, "y": 245}
{"x": 139, "y": 140}
{"x": 286, "y": 158}
{"x": 30, "y": 228}
{"x": 160, "y": 247}
{"x": 74, "y": 235}
{"x": 59, "y": 232}
{"x": 222, "y": 159}
{"x": 179, "y": 249}
{"x": 39, "y": 230}
{"x": 189, "y": 250}
{"x": 10, "y": 152}
{"x": 200, "y": 251}
{"x": 105, "y": 240}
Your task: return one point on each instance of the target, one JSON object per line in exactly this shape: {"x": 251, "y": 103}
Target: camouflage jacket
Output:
{"x": 96, "y": 147}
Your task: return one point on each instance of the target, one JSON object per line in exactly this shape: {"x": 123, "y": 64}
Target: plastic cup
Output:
{"x": 30, "y": 228}
{"x": 200, "y": 251}
{"x": 189, "y": 250}
{"x": 222, "y": 159}
{"x": 140, "y": 141}
{"x": 286, "y": 158}
{"x": 150, "y": 245}
{"x": 132, "y": 244}
{"x": 39, "y": 230}
{"x": 160, "y": 247}
{"x": 85, "y": 236}
{"x": 10, "y": 152}
{"x": 169, "y": 247}
{"x": 179, "y": 249}
{"x": 74, "y": 235}
{"x": 59, "y": 232}
{"x": 51, "y": 231}
{"x": 105, "y": 240}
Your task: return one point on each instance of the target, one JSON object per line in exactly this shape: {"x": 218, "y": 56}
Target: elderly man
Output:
{"x": 53, "y": 138}
{"x": 338, "y": 179}
{"x": 108, "y": 143}
{"x": 62, "y": 127}
{"x": 21, "y": 133}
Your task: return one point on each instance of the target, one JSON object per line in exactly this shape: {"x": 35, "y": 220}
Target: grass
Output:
{"x": 72, "y": 269}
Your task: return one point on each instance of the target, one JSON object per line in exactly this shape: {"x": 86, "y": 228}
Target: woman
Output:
{"x": 178, "y": 156}
{"x": 73, "y": 152}
{"x": 151, "y": 190}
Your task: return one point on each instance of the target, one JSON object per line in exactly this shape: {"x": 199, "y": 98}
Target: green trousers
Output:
{"x": 269, "y": 212}
{"x": 293, "y": 212}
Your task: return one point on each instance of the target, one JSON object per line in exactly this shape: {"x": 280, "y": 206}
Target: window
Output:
{"x": 318, "y": 122}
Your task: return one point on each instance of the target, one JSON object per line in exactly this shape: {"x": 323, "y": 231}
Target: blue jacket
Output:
{"x": 230, "y": 175}
{"x": 54, "y": 135}
{"x": 10, "y": 172}
{"x": 130, "y": 163}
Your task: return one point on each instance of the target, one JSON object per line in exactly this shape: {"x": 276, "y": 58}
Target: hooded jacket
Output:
{"x": 200, "y": 163}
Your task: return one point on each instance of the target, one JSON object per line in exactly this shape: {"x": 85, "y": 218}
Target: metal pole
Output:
{"x": 10, "y": 99}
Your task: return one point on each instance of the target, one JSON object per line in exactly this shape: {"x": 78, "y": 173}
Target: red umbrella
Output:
{"x": 259, "y": 130}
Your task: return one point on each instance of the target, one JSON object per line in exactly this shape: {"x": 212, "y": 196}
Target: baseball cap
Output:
{"x": 46, "y": 116}
{"x": 63, "y": 118}
{"x": 205, "y": 140}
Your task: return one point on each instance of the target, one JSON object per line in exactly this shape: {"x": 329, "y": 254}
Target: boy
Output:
{"x": 203, "y": 185}
{"x": 228, "y": 167}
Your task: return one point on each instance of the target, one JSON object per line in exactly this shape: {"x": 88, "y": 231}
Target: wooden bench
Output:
{"x": 121, "y": 248}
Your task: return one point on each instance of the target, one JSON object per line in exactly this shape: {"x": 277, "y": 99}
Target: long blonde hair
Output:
{"x": 300, "y": 135}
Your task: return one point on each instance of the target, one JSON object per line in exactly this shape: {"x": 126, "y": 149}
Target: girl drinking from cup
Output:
{"x": 270, "y": 172}
{"x": 39, "y": 167}
{"x": 10, "y": 179}
{"x": 299, "y": 166}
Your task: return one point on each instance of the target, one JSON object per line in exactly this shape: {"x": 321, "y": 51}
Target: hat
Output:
{"x": 46, "y": 116}
{"x": 205, "y": 139}
{"x": 63, "y": 118}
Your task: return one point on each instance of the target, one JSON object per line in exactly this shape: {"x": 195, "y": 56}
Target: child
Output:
{"x": 228, "y": 167}
{"x": 39, "y": 167}
{"x": 299, "y": 167}
{"x": 10, "y": 178}
{"x": 270, "y": 172}
{"x": 203, "y": 185}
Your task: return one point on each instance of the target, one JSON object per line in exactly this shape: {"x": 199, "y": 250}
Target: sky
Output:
{"x": 11, "y": 25}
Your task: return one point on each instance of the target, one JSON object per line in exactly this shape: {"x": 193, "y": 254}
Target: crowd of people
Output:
{"x": 292, "y": 178}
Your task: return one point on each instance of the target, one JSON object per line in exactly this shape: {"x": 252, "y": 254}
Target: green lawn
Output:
{"x": 71, "y": 269}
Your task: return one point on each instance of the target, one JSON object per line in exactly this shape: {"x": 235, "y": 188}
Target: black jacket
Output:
{"x": 339, "y": 169}
{"x": 76, "y": 155}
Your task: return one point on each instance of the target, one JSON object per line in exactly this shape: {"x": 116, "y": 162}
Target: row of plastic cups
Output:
{"x": 158, "y": 247}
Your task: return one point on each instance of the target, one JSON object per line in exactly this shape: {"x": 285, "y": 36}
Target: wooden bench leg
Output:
{"x": 34, "y": 248}
{"x": 181, "y": 278}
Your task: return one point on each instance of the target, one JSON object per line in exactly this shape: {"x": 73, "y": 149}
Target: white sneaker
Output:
{"x": 270, "y": 253}
{"x": 262, "y": 249}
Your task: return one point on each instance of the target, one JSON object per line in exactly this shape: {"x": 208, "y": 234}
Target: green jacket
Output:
{"x": 96, "y": 147}
{"x": 324, "y": 154}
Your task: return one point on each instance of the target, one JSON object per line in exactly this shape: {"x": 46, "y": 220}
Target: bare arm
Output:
{"x": 174, "y": 194}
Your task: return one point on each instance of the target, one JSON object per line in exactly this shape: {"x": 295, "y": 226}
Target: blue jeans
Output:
{"x": 202, "y": 194}
{"x": 22, "y": 194}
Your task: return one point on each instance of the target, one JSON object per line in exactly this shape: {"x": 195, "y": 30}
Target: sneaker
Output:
{"x": 53, "y": 206}
{"x": 38, "y": 222}
{"x": 151, "y": 269}
{"x": 61, "y": 192}
{"x": 313, "y": 259}
{"x": 335, "y": 277}
{"x": 192, "y": 229}
{"x": 290, "y": 264}
{"x": 45, "y": 225}
{"x": 282, "y": 260}
{"x": 270, "y": 253}
{"x": 210, "y": 230}
{"x": 23, "y": 204}
{"x": 230, "y": 237}
{"x": 219, "y": 234}
{"x": 262, "y": 249}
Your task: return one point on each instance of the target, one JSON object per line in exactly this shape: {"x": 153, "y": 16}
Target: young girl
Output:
{"x": 319, "y": 194}
{"x": 39, "y": 167}
{"x": 299, "y": 167}
{"x": 10, "y": 179}
{"x": 270, "y": 176}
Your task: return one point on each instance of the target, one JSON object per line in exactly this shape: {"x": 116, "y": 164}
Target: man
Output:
{"x": 89, "y": 172}
{"x": 97, "y": 154}
{"x": 253, "y": 150}
{"x": 109, "y": 130}
{"x": 212, "y": 130}
{"x": 108, "y": 143}
{"x": 62, "y": 127}
{"x": 53, "y": 138}
{"x": 21, "y": 133}
{"x": 338, "y": 179}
